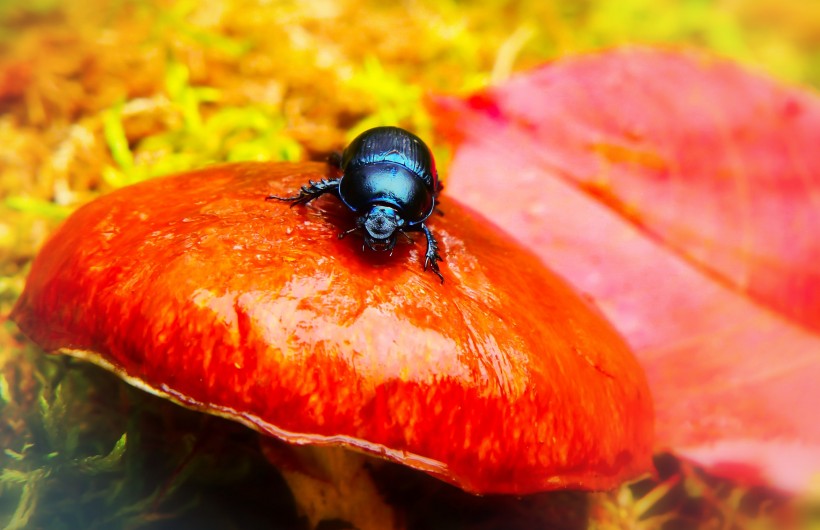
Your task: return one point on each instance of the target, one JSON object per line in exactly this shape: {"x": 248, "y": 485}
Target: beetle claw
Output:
{"x": 432, "y": 262}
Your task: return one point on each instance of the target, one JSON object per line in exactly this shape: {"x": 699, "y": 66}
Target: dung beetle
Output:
{"x": 389, "y": 179}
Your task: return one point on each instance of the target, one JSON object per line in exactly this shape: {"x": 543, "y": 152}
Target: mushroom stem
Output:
{"x": 333, "y": 483}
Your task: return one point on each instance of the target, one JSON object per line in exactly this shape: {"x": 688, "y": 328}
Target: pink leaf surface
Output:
{"x": 683, "y": 195}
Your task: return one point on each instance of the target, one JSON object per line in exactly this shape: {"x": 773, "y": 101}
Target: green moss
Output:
{"x": 205, "y": 134}
{"x": 96, "y": 453}
{"x": 37, "y": 207}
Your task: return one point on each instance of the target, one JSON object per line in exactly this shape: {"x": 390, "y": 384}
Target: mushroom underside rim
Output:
{"x": 433, "y": 467}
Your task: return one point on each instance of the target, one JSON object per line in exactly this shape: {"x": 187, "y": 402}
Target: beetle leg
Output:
{"x": 391, "y": 244}
{"x": 311, "y": 191}
{"x": 335, "y": 159}
{"x": 439, "y": 187}
{"x": 432, "y": 256}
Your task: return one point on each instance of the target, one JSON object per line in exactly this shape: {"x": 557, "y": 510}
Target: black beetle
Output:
{"x": 388, "y": 177}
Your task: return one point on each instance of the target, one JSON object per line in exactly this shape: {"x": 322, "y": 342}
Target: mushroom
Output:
{"x": 193, "y": 287}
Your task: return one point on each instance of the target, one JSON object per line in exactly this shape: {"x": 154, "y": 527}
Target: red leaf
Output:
{"x": 683, "y": 194}
{"x": 194, "y": 287}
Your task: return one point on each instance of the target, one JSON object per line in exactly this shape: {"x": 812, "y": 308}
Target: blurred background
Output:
{"x": 102, "y": 93}
{"x": 98, "y": 94}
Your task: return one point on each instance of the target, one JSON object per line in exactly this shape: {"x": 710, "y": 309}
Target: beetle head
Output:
{"x": 381, "y": 225}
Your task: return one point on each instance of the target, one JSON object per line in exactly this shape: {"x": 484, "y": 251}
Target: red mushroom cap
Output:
{"x": 502, "y": 380}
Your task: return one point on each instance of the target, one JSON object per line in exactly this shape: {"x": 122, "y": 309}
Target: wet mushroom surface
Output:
{"x": 193, "y": 287}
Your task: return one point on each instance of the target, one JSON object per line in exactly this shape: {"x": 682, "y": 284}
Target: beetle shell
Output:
{"x": 395, "y": 146}
{"x": 387, "y": 184}
{"x": 391, "y": 167}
